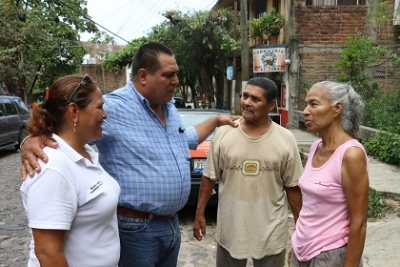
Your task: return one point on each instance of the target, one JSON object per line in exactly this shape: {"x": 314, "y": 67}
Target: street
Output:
{"x": 14, "y": 235}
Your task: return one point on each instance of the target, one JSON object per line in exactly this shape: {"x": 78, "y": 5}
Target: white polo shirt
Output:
{"x": 71, "y": 193}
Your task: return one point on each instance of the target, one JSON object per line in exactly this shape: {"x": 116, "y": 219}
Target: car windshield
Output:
{"x": 190, "y": 118}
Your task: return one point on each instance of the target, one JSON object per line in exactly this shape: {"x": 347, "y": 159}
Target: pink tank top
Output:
{"x": 323, "y": 222}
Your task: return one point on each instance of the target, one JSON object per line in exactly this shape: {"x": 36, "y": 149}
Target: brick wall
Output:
{"x": 328, "y": 25}
{"x": 321, "y": 32}
{"x": 108, "y": 80}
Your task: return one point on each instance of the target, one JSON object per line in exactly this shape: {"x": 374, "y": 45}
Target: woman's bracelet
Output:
{"x": 23, "y": 140}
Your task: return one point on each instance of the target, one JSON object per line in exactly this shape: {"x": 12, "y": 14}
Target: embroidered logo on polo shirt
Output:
{"x": 251, "y": 167}
{"x": 96, "y": 186}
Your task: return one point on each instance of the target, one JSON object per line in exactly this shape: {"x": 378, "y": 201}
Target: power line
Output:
{"x": 109, "y": 15}
{"x": 212, "y": 3}
{"x": 130, "y": 14}
{"x": 151, "y": 10}
{"x": 83, "y": 15}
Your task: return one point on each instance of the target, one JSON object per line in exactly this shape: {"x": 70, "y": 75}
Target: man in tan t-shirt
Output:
{"x": 258, "y": 165}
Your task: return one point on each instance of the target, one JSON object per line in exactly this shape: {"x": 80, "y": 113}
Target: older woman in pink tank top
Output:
{"x": 332, "y": 224}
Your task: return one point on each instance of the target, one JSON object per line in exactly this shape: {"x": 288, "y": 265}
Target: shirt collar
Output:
{"x": 73, "y": 155}
{"x": 143, "y": 99}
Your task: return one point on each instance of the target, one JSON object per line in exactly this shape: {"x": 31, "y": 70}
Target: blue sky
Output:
{"x": 131, "y": 19}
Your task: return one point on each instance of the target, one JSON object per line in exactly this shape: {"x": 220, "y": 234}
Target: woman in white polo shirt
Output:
{"x": 71, "y": 204}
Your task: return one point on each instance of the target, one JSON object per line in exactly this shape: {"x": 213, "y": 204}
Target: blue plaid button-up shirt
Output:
{"x": 150, "y": 162}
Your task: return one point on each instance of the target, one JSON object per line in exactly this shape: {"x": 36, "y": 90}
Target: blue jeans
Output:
{"x": 149, "y": 243}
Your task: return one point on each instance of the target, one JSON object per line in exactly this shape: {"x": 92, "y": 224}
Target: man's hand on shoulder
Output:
{"x": 227, "y": 120}
{"x": 31, "y": 150}
{"x": 206, "y": 127}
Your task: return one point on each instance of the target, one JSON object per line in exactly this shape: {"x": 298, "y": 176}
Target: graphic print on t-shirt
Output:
{"x": 251, "y": 167}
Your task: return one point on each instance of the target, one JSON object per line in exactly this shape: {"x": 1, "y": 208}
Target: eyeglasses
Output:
{"x": 84, "y": 81}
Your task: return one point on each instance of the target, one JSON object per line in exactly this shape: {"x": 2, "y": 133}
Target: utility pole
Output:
{"x": 234, "y": 37}
{"x": 232, "y": 90}
{"x": 245, "y": 42}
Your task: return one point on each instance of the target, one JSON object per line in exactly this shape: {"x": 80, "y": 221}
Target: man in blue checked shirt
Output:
{"x": 145, "y": 147}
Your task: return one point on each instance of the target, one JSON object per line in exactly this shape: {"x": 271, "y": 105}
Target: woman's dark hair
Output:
{"x": 47, "y": 117}
{"x": 146, "y": 57}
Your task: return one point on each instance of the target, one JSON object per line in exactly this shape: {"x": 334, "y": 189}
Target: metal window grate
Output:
{"x": 335, "y": 2}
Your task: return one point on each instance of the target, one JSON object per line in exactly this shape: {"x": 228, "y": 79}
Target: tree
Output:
{"x": 201, "y": 42}
{"x": 354, "y": 58}
{"x": 40, "y": 41}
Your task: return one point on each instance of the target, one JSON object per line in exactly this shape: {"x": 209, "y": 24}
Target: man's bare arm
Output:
{"x": 206, "y": 127}
{"x": 295, "y": 199}
{"x": 199, "y": 224}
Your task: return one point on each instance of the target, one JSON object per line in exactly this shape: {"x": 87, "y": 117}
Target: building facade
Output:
{"x": 313, "y": 38}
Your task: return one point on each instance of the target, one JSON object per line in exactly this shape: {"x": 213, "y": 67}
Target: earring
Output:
{"x": 74, "y": 127}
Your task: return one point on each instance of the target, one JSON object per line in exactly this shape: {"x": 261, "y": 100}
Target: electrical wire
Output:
{"x": 213, "y": 2}
{"x": 144, "y": 20}
{"x": 88, "y": 18}
{"x": 109, "y": 15}
{"x": 130, "y": 15}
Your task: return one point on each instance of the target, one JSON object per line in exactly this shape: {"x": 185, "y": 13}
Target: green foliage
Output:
{"x": 385, "y": 146}
{"x": 195, "y": 38}
{"x": 307, "y": 85}
{"x": 257, "y": 28}
{"x": 201, "y": 41}
{"x": 122, "y": 58}
{"x": 358, "y": 52}
{"x": 382, "y": 111}
{"x": 377, "y": 207}
{"x": 40, "y": 41}
{"x": 266, "y": 25}
{"x": 383, "y": 12}
{"x": 273, "y": 23}
{"x": 102, "y": 38}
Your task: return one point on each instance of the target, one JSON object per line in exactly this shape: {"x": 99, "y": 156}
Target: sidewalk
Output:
{"x": 383, "y": 237}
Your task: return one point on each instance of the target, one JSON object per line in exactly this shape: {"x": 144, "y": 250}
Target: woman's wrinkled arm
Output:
{"x": 356, "y": 185}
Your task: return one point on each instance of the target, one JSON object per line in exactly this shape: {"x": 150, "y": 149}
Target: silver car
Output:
{"x": 14, "y": 115}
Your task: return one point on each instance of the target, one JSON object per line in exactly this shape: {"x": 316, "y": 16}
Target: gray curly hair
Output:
{"x": 353, "y": 105}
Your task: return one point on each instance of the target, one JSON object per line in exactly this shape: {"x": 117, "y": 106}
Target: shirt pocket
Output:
{"x": 322, "y": 183}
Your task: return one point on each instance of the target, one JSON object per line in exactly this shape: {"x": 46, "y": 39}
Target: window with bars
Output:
{"x": 335, "y": 2}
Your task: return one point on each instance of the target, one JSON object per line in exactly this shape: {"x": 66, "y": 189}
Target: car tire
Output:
{"x": 22, "y": 134}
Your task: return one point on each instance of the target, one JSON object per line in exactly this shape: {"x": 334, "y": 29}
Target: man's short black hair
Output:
{"x": 269, "y": 86}
{"x": 146, "y": 57}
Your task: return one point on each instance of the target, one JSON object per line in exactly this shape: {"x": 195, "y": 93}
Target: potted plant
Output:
{"x": 257, "y": 30}
{"x": 273, "y": 23}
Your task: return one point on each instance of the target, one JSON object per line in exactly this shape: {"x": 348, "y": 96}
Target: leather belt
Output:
{"x": 140, "y": 214}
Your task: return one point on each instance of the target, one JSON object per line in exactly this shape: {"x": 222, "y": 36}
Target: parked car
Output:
{"x": 198, "y": 157}
{"x": 14, "y": 115}
{"x": 179, "y": 103}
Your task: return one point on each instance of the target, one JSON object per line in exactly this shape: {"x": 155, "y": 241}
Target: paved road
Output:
{"x": 382, "y": 236}
{"x": 14, "y": 235}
